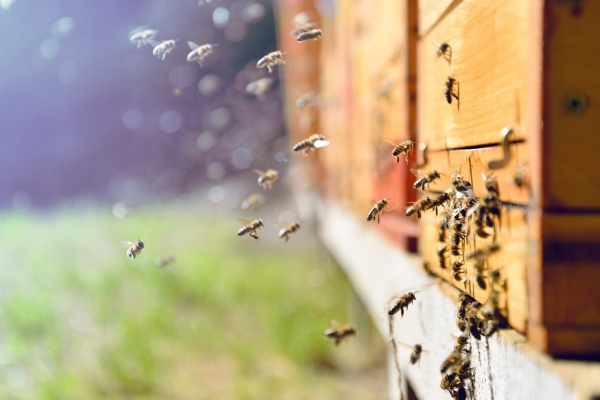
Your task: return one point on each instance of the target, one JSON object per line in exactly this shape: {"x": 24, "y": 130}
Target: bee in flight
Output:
{"x": 134, "y": 249}
{"x": 425, "y": 178}
{"x": 270, "y": 60}
{"x": 267, "y": 178}
{"x": 253, "y": 201}
{"x": 417, "y": 351}
{"x": 164, "y": 261}
{"x": 162, "y": 49}
{"x": 259, "y": 87}
{"x": 401, "y": 303}
{"x": 403, "y": 148}
{"x": 287, "y": 230}
{"x": 339, "y": 332}
{"x": 301, "y": 23}
{"x": 314, "y": 141}
{"x": 444, "y": 49}
{"x": 309, "y": 35}
{"x": 199, "y": 53}
{"x": 377, "y": 210}
{"x": 419, "y": 206}
{"x": 449, "y": 91}
{"x": 306, "y": 99}
{"x": 145, "y": 37}
{"x": 250, "y": 228}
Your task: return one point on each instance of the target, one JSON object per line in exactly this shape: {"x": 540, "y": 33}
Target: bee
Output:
{"x": 250, "y": 228}
{"x": 491, "y": 185}
{"x": 484, "y": 251}
{"x": 444, "y": 49}
{"x": 270, "y": 60}
{"x": 456, "y": 240}
{"x": 199, "y": 53}
{"x": 458, "y": 272}
{"x": 416, "y": 354}
{"x": 144, "y": 37}
{"x": 253, "y": 201}
{"x": 453, "y": 359}
{"x": 479, "y": 266}
{"x": 463, "y": 369}
{"x": 443, "y": 229}
{"x": 475, "y": 324}
{"x": 339, "y": 332}
{"x": 461, "y": 324}
{"x": 134, "y": 249}
{"x": 303, "y": 28}
{"x": 449, "y": 89}
{"x": 288, "y": 229}
{"x": 440, "y": 201}
{"x": 448, "y": 381}
{"x": 164, "y": 261}
{"x": 519, "y": 177}
{"x": 307, "y": 36}
{"x": 401, "y": 303}
{"x": 267, "y": 178}
{"x": 306, "y": 99}
{"x": 442, "y": 255}
{"x": 418, "y": 207}
{"x": 162, "y": 49}
{"x": 259, "y": 87}
{"x": 459, "y": 392}
{"x": 425, "y": 178}
{"x": 314, "y": 141}
{"x": 377, "y": 210}
{"x": 403, "y": 148}
{"x": 428, "y": 269}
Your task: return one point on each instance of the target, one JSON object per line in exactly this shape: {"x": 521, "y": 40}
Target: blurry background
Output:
{"x": 102, "y": 142}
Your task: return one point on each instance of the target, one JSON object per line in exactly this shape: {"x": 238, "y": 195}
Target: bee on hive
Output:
{"x": 449, "y": 92}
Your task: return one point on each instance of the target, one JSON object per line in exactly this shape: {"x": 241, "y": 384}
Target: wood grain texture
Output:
{"x": 512, "y": 235}
{"x": 488, "y": 61}
{"x": 431, "y": 11}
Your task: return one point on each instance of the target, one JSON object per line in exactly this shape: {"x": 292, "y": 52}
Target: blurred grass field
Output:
{"x": 231, "y": 318}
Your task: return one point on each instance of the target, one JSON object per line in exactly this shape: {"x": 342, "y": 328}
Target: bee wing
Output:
{"x": 153, "y": 42}
{"x": 258, "y": 171}
{"x": 243, "y": 221}
{"x": 192, "y": 45}
{"x": 404, "y": 344}
{"x": 418, "y": 172}
{"x": 321, "y": 143}
{"x": 126, "y": 243}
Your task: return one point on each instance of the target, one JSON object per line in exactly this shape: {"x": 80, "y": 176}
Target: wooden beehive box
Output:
{"x": 525, "y": 67}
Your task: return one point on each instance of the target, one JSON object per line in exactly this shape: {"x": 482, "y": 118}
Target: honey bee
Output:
{"x": 145, "y": 37}
{"x": 519, "y": 177}
{"x": 458, "y": 272}
{"x": 401, "y": 303}
{"x": 306, "y": 99}
{"x": 309, "y": 35}
{"x": 377, "y": 210}
{"x": 425, "y": 178}
{"x": 303, "y": 28}
{"x": 479, "y": 266}
{"x": 162, "y": 49}
{"x": 442, "y": 255}
{"x": 484, "y": 251}
{"x": 418, "y": 207}
{"x": 403, "y": 148}
{"x": 456, "y": 240}
{"x": 199, "y": 53}
{"x": 314, "y": 141}
{"x": 267, "y": 178}
{"x": 134, "y": 249}
{"x": 270, "y": 60}
{"x": 253, "y": 201}
{"x": 449, "y": 89}
{"x": 453, "y": 359}
{"x": 444, "y": 49}
{"x": 288, "y": 229}
{"x": 463, "y": 369}
{"x": 448, "y": 381}
{"x": 259, "y": 87}
{"x": 461, "y": 343}
{"x": 440, "y": 201}
{"x": 443, "y": 229}
{"x": 415, "y": 356}
{"x": 164, "y": 261}
{"x": 428, "y": 269}
{"x": 491, "y": 185}
{"x": 250, "y": 228}
{"x": 339, "y": 332}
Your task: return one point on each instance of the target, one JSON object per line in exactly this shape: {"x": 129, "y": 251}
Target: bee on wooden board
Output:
{"x": 306, "y": 99}
{"x": 458, "y": 271}
{"x": 425, "y": 178}
{"x": 165, "y": 47}
{"x": 449, "y": 92}
{"x": 444, "y": 49}
{"x": 403, "y": 148}
{"x": 259, "y": 87}
{"x": 418, "y": 207}
{"x": 267, "y": 178}
{"x": 442, "y": 256}
{"x": 314, "y": 141}
{"x": 164, "y": 261}
{"x": 459, "y": 392}
{"x": 491, "y": 184}
{"x": 145, "y": 37}
{"x": 250, "y": 228}
{"x": 287, "y": 230}
{"x": 519, "y": 177}
{"x": 200, "y": 52}
{"x": 338, "y": 332}
{"x": 450, "y": 361}
{"x": 270, "y": 60}
{"x": 378, "y": 209}
{"x": 401, "y": 303}
{"x": 448, "y": 381}
{"x": 253, "y": 201}
{"x": 309, "y": 35}
{"x": 134, "y": 249}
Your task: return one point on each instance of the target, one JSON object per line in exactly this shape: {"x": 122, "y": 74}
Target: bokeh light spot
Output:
{"x": 181, "y": 76}
{"x": 170, "y": 121}
{"x": 235, "y": 31}
{"x": 253, "y": 12}
{"x": 119, "y": 210}
{"x": 216, "y": 194}
{"x": 208, "y": 85}
{"x": 133, "y": 118}
{"x": 215, "y": 171}
{"x": 205, "y": 141}
{"x": 280, "y": 156}
{"x": 242, "y": 158}
{"x": 219, "y": 118}
{"x": 220, "y": 16}
{"x": 49, "y": 48}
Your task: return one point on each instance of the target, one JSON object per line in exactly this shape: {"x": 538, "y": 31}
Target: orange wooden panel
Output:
{"x": 489, "y": 53}
{"x": 431, "y": 11}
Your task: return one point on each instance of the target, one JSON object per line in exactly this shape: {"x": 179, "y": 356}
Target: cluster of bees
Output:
{"x": 161, "y": 49}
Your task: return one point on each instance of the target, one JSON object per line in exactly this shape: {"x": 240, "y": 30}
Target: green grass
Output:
{"x": 229, "y": 319}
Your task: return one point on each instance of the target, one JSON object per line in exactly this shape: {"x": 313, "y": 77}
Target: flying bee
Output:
{"x": 458, "y": 271}
{"x": 442, "y": 255}
{"x": 453, "y": 359}
{"x": 162, "y": 49}
{"x": 306, "y": 99}
{"x": 250, "y": 228}
{"x": 401, "y": 303}
{"x": 417, "y": 351}
{"x": 491, "y": 184}
{"x": 378, "y": 209}
{"x": 134, "y": 249}
{"x": 449, "y": 89}
{"x": 288, "y": 229}
{"x": 418, "y": 207}
{"x": 267, "y": 178}
{"x": 199, "y": 53}
{"x": 440, "y": 201}
{"x": 425, "y": 178}
{"x": 403, "y": 148}
{"x": 270, "y": 60}
{"x": 444, "y": 49}
{"x": 303, "y": 28}
{"x": 145, "y": 37}
{"x": 307, "y": 36}
{"x": 253, "y": 201}
{"x": 259, "y": 87}
{"x": 164, "y": 261}
{"x": 314, "y": 141}
{"x": 339, "y": 332}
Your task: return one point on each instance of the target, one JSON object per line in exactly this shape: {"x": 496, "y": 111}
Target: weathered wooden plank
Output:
{"x": 431, "y": 11}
